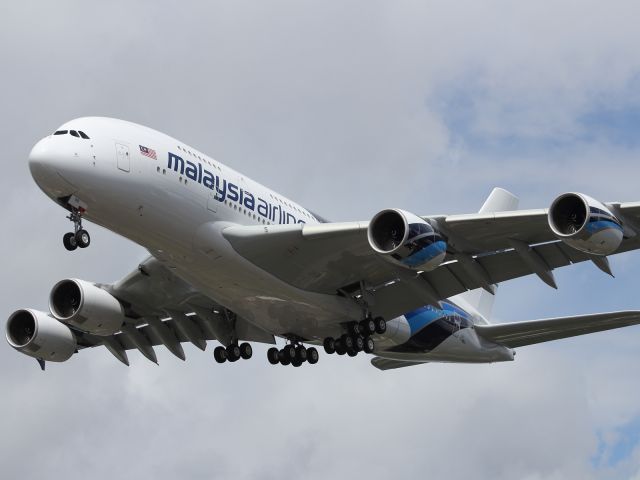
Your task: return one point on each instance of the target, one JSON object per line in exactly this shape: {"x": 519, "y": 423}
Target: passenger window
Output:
{"x": 83, "y": 135}
{"x": 74, "y": 133}
{"x": 61, "y": 132}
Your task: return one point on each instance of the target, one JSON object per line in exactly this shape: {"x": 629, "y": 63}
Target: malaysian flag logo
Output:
{"x": 148, "y": 152}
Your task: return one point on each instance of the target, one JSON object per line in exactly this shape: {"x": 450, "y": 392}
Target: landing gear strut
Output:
{"x": 79, "y": 237}
{"x": 358, "y": 339}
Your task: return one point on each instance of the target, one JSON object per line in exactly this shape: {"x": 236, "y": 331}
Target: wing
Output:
{"x": 162, "y": 309}
{"x": 484, "y": 249}
{"x": 519, "y": 334}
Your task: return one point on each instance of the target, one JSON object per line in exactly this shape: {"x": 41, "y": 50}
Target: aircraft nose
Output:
{"x": 45, "y": 163}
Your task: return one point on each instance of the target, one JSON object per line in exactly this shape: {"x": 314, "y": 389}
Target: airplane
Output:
{"x": 236, "y": 262}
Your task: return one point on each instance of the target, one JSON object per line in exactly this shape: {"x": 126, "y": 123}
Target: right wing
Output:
{"x": 162, "y": 309}
{"x": 519, "y": 334}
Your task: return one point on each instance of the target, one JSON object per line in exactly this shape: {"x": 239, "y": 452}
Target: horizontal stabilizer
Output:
{"x": 389, "y": 364}
{"x": 519, "y": 334}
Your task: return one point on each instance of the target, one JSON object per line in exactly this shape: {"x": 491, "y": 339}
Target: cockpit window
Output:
{"x": 83, "y": 135}
{"x": 61, "y": 132}
{"x": 74, "y": 133}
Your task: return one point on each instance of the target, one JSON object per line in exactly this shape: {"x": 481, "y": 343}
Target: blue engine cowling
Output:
{"x": 585, "y": 224}
{"x": 406, "y": 239}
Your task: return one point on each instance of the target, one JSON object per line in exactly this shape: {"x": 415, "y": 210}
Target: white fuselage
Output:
{"x": 177, "y": 205}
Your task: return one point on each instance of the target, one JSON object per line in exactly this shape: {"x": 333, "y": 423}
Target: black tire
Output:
{"x": 329, "y": 345}
{"x": 83, "y": 239}
{"x": 246, "y": 351}
{"x": 289, "y": 352}
{"x": 296, "y": 363}
{"x": 358, "y": 343}
{"x": 381, "y": 325}
{"x": 301, "y": 354}
{"x": 352, "y": 353}
{"x": 272, "y": 356}
{"x": 347, "y": 341}
{"x": 354, "y": 328}
{"x": 369, "y": 345}
{"x": 233, "y": 352}
{"x": 312, "y": 356}
{"x": 69, "y": 241}
{"x": 368, "y": 326}
{"x": 340, "y": 350}
{"x": 220, "y": 354}
{"x": 284, "y": 359}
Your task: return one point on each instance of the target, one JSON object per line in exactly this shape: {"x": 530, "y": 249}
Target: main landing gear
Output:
{"x": 79, "y": 237}
{"x": 233, "y": 352}
{"x": 293, "y": 354}
{"x": 358, "y": 339}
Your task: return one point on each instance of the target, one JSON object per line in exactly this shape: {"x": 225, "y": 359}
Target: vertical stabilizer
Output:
{"x": 481, "y": 301}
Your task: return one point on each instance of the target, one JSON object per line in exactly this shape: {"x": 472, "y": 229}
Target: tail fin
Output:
{"x": 481, "y": 301}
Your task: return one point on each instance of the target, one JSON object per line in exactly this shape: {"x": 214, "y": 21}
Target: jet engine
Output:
{"x": 585, "y": 224}
{"x": 86, "y": 307}
{"x": 406, "y": 239}
{"x": 38, "y": 335}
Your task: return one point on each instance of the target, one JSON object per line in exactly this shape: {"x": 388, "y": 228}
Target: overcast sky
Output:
{"x": 347, "y": 107}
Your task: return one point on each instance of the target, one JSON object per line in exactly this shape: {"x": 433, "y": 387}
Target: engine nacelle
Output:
{"x": 86, "y": 307}
{"x": 38, "y": 335}
{"x": 406, "y": 239}
{"x": 585, "y": 224}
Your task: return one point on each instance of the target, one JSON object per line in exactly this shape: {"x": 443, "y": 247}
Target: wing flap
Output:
{"x": 519, "y": 334}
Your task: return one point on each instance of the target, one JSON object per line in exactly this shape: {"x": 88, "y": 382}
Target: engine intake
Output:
{"x": 406, "y": 239}
{"x": 86, "y": 307}
{"x": 585, "y": 224}
{"x": 36, "y": 334}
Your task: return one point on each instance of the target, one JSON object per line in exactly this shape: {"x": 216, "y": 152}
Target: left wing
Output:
{"x": 484, "y": 249}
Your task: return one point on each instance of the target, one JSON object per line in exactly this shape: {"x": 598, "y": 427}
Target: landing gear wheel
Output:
{"x": 368, "y": 326}
{"x": 273, "y": 356}
{"x": 346, "y": 341}
{"x": 381, "y": 325}
{"x": 296, "y": 363}
{"x": 246, "y": 351}
{"x": 301, "y": 354}
{"x": 329, "y": 345}
{"x": 312, "y": 356}
{"x": 358, "y": 343}
{"x": 289, "y": 352}
{"x": 233, "y": 352}
{"x": 283, "y": 358}
{"x": 220, "y": 354}
{"x": 69, "y": 241}
{"x": 354, "y": 328}
{"x": 340, "y": 350}
{"x": 82, "y": 238}
{"x": 352, "y": 353}
{"x": 369, "y": 345}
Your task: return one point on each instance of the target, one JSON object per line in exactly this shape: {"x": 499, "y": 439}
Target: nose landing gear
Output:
{"x": 79, "y": 237}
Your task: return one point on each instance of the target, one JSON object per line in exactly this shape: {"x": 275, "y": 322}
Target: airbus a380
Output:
{"x": 235, "y": 262}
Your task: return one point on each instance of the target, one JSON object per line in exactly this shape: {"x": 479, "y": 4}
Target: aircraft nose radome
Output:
{"x": 43, "y": 163}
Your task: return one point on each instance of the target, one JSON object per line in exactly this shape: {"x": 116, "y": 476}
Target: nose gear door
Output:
{"x": 124, "y": 159}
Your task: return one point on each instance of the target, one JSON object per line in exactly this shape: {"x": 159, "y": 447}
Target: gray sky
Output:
{"x": 347, "y": 107}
